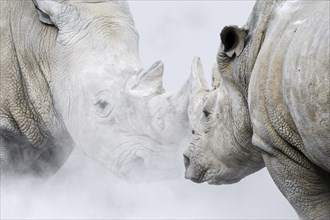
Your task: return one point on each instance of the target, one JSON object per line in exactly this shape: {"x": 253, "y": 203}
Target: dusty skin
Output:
{"x": 71, "y": 75}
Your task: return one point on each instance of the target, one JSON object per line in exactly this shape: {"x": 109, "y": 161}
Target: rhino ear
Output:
{"x": 47, "y": 10}
{"x": 148, "y": 82}
{"x": 54, "y": 13}
{"x": 233, "y": 40}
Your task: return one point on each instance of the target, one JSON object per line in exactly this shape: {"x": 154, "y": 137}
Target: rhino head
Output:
{"x": 221, "y": 149}
{"x": 116, "y": 111}
{"x": 135, "y": 130}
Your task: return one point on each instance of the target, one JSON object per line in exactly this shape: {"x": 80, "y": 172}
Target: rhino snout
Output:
{"x": 192, "y": 173}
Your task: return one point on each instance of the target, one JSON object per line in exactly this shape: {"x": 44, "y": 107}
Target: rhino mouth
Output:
{"x": 222, "y": 182}
{"x": 213, "y": 174}
{"x": 195, "y": 171}
{"x": 141, "y": 157}
{"x": 199, "y": 179}
{"x": 221, "y": 179}
{"x": 213, "y": 179}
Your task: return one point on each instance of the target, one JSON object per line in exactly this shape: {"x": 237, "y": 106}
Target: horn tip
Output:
{"x": 196, "y": 59}
{"x": 196, "y": 67}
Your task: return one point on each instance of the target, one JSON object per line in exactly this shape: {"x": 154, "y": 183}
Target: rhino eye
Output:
{"x": 206, "y": 113}
{"x": 102, "y": 108}
{"x": 101, "y": 105}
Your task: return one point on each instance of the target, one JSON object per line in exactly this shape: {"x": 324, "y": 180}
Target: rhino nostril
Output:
{"x": 186, "y": 161}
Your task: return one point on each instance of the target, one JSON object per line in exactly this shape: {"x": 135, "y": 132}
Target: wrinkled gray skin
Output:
{"x": 269, "y": 106}
{"x": 33, "y": 138}
{"x": 75, "y": 65}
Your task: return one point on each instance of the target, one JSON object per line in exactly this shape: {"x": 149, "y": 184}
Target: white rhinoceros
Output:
{"x": 71, "y": 69}
{"x": 270, "y": 105}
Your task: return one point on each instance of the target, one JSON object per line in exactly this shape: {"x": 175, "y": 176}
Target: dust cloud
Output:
{"x": 83, "y": 189}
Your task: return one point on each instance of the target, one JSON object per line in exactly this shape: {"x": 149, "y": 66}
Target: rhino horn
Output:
{"x": 198, "y": 82}
{"x": 215, "y": 76}
{"x": 198, "y": 88}
{"x": 147, "y": 83}
{"x": 169, "y": 115}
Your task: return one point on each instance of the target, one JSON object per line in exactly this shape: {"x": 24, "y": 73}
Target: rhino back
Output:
{"x": 29, "y": 124}
{"x": 289, "y": 88}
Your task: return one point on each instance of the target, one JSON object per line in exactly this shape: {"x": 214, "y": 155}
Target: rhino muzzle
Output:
{"x": 193, "y": 170}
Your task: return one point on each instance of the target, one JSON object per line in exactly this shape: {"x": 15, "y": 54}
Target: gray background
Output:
{"x": 176, "y": 31}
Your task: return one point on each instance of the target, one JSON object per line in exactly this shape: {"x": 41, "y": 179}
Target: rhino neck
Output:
{"x": 258, "y": 23}
{"x": 27, "y": 44}
{"x": 257, "y": 26}
{"x": 33, "y": 40}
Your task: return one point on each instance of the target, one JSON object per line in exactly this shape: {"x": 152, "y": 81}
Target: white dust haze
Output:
{"x": 174, "y": 32}
{"x": 85, "y": 190}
